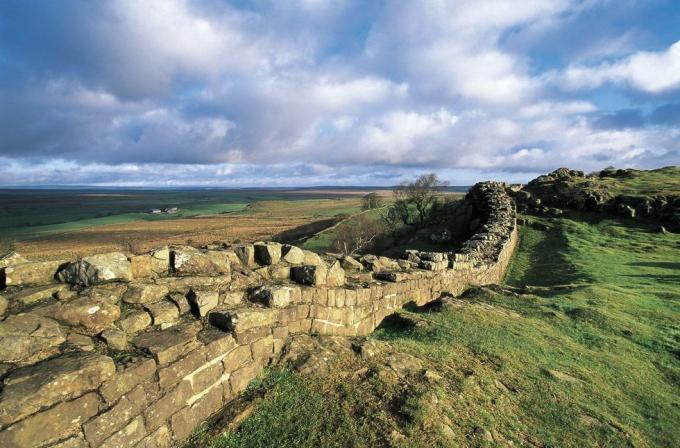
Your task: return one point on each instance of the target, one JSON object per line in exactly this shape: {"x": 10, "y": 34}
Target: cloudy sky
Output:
{"x": 323, "y": 92}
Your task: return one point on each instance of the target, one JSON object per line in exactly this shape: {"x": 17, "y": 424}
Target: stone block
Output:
{"x": 144, "y": 293}
{"x": 128, "y": 436}
{"x": 252, "y": 334}
{"x": 92, "y": 313}
{"x": 169, "y": 376}
{"x": 160, "y": 438}
{"x": 32, "y": 273}
{"x": 190, "y": 261}
{"x": 244, "y": 319}
{"x": 246, "y": 253}
{"x": 202, "y": 301}
{"x": 309, "y": 275}
{"x": 106, "y": 424}
{"x": 189, "y": 417}
{"x": 237, "y": 358}
{"x": 28, "y": 296}
{"x": 11, "y": 258}
{"x": 232, "y": 298}
{"x": 240, "y": 378}
{"x": 312, "y": 259}
{"x": 392, "y": 276}
{"x": 141, "y": 266}
{"x": 169, "y": 345}
{"x": 134, "y": 321}
{"x": 181, "y": 302}
{"x": 58, "y": 422}
{"x": 335, "y": 276}
{"x": 31, "y": 388}
{"x": 206, "y": 377}
{"x": 262, "y": 349}
{"x": 28, "y": 338}
{"x": 276, "y": 296}
{"x": 268, "y": 253}
{"x": 351, "y": 264}
{"x": 160, "y": 261}
{"x": 157, "y": 414}
{"x": 293, "y": 254}
{"x": 164, "y": 313}
{"x": 115, "y": 338}
{"x": 125, "y": 380}
{"x": 96, "y": 269}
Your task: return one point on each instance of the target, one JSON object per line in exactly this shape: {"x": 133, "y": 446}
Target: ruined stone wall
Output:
{"x": 115, "y": 350}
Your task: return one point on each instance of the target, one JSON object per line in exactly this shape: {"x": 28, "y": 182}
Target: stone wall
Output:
{"x": 137, "y": 350}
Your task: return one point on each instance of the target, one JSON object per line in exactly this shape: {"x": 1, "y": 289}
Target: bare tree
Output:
{"x": 356, "y": 234}
{"x": 421, "y": 193}
{"x": 371, "y": 201}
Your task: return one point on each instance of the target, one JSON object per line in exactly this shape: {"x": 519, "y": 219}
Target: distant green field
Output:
{"x": 29, "y": 213}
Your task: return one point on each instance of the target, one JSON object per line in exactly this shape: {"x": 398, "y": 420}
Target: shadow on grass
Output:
{"x": 675, "y": 266}
{"x": 541, "y": 260}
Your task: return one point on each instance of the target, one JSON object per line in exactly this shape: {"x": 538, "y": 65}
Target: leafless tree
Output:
{"x": 356, "y": 234}
{"x": 421, "y": 193}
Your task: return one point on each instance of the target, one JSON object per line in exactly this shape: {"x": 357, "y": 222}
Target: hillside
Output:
{"x": 579, "y": 347}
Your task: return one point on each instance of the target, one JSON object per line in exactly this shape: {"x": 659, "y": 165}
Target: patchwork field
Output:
{"x": 71, "y": 223}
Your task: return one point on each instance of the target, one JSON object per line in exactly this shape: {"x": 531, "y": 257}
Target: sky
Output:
{"x": 347, "y": 92}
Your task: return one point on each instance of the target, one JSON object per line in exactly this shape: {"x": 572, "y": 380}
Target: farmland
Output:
{"x": 50, "y": 224}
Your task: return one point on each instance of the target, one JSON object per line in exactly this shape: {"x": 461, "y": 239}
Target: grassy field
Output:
{"x": 75, "y": 230}
{"x": 595, "y": 363}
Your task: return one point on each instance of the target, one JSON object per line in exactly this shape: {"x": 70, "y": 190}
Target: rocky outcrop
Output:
{"x": 568, "y": 189}
{"x": 118, "y": 350}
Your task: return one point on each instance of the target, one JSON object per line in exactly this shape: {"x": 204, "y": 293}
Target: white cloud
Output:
{"x": 653, "y": 72}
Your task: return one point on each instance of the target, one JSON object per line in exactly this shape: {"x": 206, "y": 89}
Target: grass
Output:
{"x": 597, "y": 364}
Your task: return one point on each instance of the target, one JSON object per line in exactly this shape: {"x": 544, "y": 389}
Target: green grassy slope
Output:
{"x": 594, "y": 364}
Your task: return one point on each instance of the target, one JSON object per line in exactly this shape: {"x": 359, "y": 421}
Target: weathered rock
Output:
{"x": 128, "y": 436}
{"x": 293, "y": 254}
{"x": 164, "y": 313}
{"x": 313, "y": 259}
{"x": 108, "y": 423}
{"x": 203, "y": 301}
{"x": 246, "y": 253}
{"x": 28, "y": 338}
{"x": 243, "y": 319}
{"x": 412, "y": 256}
{"x": 59, "y": 422}
{"x": 28, "y": 296}
{"x": 372, "y": 263}
{"x": 170, "y": 344}
{"x": 92, "y": 313}
{"x": 134, "y": 322}
{"x": 96, "y": 269}
{"x": 126, "y": 380}
{"x": 32, "y": 273}
{"x": 190, "y": 261}
{"x": 160, "y": 261}
{"x": 11, "y": 258}
{"x": 351, "y": 264}
{"x": 115, "y": 338}
{"x": 268, "y": 253}
{"x": 181, "y": 301}
{"x": 279, "y": 272}
{"x": 273, "y": 296}
{"x": 31, "y": 388}
{"x": 3, "y": 305}
{"x": 335, "y": 276}
{"x": 80, "y": 341}
{"x": 142, "y": 293}
{"x": 392, "y": 276}
{"x": 232, "y": 298}
{"x": 141, "y": 266}
{"x": 309, "y": 275}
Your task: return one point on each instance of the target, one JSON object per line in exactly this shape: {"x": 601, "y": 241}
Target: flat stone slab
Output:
{"x": 31, "y": 388}
{"x": 170, "y": 344}
{"x": 32, "y": 273}
{"x": 28, "y": 338}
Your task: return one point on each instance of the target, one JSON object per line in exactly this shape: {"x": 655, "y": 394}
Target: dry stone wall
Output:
{"x": 115, "y": 350}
